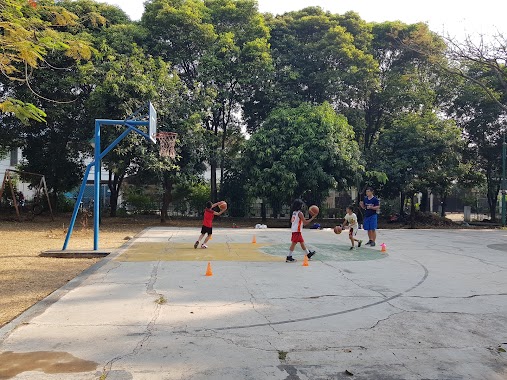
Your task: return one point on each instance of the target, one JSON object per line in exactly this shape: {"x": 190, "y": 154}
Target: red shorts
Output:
{"x": 297, "y": 237}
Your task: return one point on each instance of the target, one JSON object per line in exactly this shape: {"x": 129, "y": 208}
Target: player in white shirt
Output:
{"x": 297, "y": 222}
{"x": 351, "y": 220}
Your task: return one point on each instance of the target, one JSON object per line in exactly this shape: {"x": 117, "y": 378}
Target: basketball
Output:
{"x": 223, "y": 205}
{"x": 337, "y": 230}
{"x": 313, "y": 210}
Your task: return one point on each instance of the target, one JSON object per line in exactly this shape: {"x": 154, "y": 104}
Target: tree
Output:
{"x": 407, "y": 80}
{"x": 28, "y": 36}
{"x": 123, "y": 84}
{"x": 418, "y": 150}
{"x": 55, "y": 147}
{"x": 482, "y": 119}
{"x": 318, "y": 57}
{"x": 300, "y": 152}
{"x": 220, "y": 48}
{"x": 487, "y": 55}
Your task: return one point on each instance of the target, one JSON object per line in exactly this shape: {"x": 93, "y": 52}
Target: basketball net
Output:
{"x": 167, "y": 142}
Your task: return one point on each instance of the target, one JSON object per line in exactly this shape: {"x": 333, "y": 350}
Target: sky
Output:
{"x": 447, "y": 17}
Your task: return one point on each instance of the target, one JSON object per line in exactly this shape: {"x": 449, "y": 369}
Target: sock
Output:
{"x": 307, "y": 250}
{"x": 290, "y": 254}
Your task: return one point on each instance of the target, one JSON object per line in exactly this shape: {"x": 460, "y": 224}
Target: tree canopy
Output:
{"x": 275, "y": 107}
{"x": 28, "y": 35}
{"x": 301, "y": 152}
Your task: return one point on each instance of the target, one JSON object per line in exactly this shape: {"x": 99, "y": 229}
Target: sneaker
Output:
{"x": 372, "y": 244}
{"x": 290, "y": 259}
{"x": 369, "y": 242}
{"x": 310, "y": 254}
{"x": 351, "y": 248}
{"x": 196, "y": 244}
{"x": 359, "y": 243}
{"x": 204, "y": 246}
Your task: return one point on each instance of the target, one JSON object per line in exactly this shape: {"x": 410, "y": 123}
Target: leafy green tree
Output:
{"x": 55, "y": 147}
{"x": 487, "y": 54}
{"x": 235, "y": 190}
{"x": 318, "y": 57}
{"x": 177, "y": 178}
{"x": 417, "y": 151}
{"x": 301, "y": 152}
{"x": 125, "y": 83}
{"x": 407, "y": 80}
{"x": 220, "y": 48}
{"x": 29, "y": 35}
{"x": 482, "y": 120}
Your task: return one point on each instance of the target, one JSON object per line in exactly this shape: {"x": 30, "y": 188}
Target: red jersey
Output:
{"x": 209, "y": 214}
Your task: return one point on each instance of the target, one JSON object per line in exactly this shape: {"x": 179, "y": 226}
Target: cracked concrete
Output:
{"x": 434, "y": 308}
{"x": 146, "y": 335}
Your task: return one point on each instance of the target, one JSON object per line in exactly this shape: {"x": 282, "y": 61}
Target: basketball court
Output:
{"x": 434, "y": 306}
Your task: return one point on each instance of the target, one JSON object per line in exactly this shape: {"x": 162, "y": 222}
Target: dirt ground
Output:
{"x": 26, "y": 278}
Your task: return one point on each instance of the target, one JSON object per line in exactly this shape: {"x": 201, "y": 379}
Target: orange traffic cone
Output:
{"x": 208, "y": 270}
{"x": 254, "y": 240}
{"x": 383, "y": 247}
{"x": 305, "y": 261}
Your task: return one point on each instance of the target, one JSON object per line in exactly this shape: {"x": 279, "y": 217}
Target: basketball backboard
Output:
{"x": 153, "y": 124}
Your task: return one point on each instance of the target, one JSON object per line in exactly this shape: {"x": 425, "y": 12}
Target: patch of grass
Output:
{"x": 161, "y": 300}
{"x": 282, "y": 355}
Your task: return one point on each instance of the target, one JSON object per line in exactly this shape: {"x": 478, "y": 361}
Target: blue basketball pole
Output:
{"x": 131, "y": 126}
{"x": 96, "y": 188}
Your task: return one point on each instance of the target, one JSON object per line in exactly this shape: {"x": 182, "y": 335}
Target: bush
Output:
{"x": 138, "y": 202}
{"x": 199, "y": 195}
{"x": 64, "y": 204}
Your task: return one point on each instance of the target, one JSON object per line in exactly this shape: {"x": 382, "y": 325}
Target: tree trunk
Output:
{"x": 221, "y": 192}
{"x": 53, "y": 198}
{"x": 214, "y": 190}
{"x": 493, "y": 189}
{"x": 114, "y": 183}
{"x": 402, "y": 203}
{"x": 167, "y": 198}
{"x": 492, "y": 202}
{"x": 443, "y": 203}
{"x": 113, "y": 204}
{"x": 412, "y": 211}
{"x": 222, "y": 155}
{"x": 263, "y": 211}
{"x": 424, "y": 201}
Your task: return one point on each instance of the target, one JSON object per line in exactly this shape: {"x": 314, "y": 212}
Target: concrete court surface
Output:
{"x": 433, "y": 307}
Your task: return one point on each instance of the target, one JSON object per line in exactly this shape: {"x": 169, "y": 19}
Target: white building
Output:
{"x": 15, "y": 156}
{"x": 10, "y": 161}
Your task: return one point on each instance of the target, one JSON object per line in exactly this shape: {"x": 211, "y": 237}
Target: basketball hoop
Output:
{"x": 167, "y": 142}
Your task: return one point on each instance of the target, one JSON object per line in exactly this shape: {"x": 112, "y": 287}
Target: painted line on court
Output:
{"x": 424, "y": 277}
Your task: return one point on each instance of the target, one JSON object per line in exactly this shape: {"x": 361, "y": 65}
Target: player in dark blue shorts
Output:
{"x": 371, "y": 204}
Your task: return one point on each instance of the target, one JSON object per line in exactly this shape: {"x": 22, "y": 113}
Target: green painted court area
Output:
{"x": 329, "y": 252}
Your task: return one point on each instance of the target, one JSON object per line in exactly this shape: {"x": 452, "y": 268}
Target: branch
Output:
{"x": 40, "y": 96}
{"x": 474, "y": 54}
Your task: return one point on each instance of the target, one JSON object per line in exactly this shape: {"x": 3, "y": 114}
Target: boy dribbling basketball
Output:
{"x": 297, "y": 222}
{"x": 351, "y": 221}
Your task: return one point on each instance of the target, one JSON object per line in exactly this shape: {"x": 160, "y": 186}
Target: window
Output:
{"x": 14, "y": 157}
